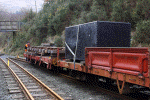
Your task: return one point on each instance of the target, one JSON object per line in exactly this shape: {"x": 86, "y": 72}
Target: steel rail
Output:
{"x": 100, "y": 88}
{"x": 41, "y": 83}
{"x": 19, "y": 59}
{"x": 25, "y": 90}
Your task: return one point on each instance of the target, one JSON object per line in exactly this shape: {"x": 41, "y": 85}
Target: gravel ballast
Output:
{"x": 74, "y": 89}
{"x": 4, "y": 93}
{"x": 61, "y": 85}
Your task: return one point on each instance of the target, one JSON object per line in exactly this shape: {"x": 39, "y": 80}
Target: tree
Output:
{"x": 98, "y": 10}
{"x": 121, "y": 11}
{"x": 59, "y": 42}
{"x": 29, "y": 15}
{"x": 142, "y": 32}
{"x": 4, "y": 14}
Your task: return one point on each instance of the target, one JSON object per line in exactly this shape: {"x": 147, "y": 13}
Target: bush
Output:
{"x": 57, "y": 14}
{"x": 91, "y": 17}
{"x": 19, "y": 42}
{"x": 58, "y": 20}
{"x": 59, "y": 42}
{"x": 29, "y": 15}
{"x": 98, "y": 11}
{"x": 120, "y": 11}
{"x": 142, "y": 32}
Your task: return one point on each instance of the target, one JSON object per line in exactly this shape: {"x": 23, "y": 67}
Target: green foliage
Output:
{"x": 29, "y": 16}
{"x": 52, "y": 19}
{"x": 87, "y": 5}
{"x": 142, "y": 9}
{"x": 91, "y": 16}
{"x": 98, "y": 10}
{"x": 32, "y": 30}
{"x": 18, "y": 43}
{"x": 125, "y": 12}
{"x": 140, "y": 12}
{"x": 5, "y": 39}
{"x": 59, "y": 42}
{"x": 56, "y": 22}
{"x": 121, "y": 11}
{"x": 142, "y": 32}
{"x": 95, "y": 11}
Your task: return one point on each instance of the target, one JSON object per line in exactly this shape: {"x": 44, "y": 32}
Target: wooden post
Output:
{"x": 14, "y": 35}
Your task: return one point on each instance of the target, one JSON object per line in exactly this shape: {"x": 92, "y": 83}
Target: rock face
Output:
{"x": 96, "y": 34}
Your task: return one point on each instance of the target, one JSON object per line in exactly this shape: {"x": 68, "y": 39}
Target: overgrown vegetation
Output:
{"x": 142, "y": 33}
{"x": 58, "y": 14}
{"x": 59, "y": 42}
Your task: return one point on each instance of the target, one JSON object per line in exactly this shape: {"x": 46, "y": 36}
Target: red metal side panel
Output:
{"x": 32, "y": 57}
{"x": 130, "y": 61}
{"x": 45, "y": 59}
{"x": 99, "y": 58}
{"x": 25, "y": 55}
{"x": 37, "y": 58}
{"x": 124, "y": 60}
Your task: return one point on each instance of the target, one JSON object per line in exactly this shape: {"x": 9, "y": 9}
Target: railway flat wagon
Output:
{"x": 123, "y": 65}
{"x": 128, "y": 65}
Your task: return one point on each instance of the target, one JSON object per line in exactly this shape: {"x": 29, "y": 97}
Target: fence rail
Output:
{"x": 7, "y": 26}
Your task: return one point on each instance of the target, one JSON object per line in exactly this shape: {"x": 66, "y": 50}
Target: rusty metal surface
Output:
{"x": 42, "y": 49}
{"x": 127, "y": 59}
{"x": 114, "y": 63}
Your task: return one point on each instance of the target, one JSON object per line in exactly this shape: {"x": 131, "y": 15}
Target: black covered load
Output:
{"x": 95, "y": 34}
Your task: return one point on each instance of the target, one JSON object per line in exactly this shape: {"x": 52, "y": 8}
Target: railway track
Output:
{"x": 20, "y": 59}
{"x": 28, "y": 87}
{"x": 101, "y": 89}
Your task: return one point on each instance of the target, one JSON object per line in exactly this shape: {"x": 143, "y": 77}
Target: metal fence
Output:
{"x": 6, "y": 26}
